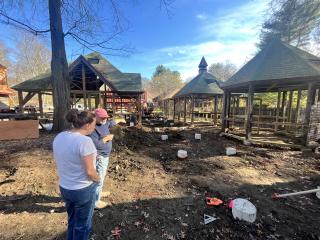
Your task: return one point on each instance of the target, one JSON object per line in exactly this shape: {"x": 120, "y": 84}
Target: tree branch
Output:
{"x": 90, "y": 46}
{"x": 21, "y": 25}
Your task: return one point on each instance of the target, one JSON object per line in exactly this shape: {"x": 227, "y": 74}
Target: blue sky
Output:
{"x": 217, "y": 29}
{"x": 220, "y": 30}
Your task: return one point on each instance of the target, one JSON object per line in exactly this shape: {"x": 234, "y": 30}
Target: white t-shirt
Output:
{"x": 69, "y": 148}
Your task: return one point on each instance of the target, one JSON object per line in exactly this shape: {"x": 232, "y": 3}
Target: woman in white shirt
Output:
{"x": 75, "y": 157}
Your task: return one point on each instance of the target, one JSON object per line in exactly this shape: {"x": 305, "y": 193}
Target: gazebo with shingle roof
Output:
{"x": 92, "y": 77}
{"x": 279, "y": 68}
{"x": 202, "y": 92}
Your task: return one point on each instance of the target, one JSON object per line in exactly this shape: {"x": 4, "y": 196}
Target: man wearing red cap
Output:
{"x": 103, "y": 141}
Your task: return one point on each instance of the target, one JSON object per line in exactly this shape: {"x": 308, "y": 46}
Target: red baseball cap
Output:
{"x": 101, "y": 113}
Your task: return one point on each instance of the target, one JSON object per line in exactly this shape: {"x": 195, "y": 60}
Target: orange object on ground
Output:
{"x": 214, "y": 201}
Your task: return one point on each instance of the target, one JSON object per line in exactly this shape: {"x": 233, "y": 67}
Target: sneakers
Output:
{"x": 102, "y": 204}
{"x": 105, "y": 194}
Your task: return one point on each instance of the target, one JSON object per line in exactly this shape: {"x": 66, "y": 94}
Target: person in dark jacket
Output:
{"x": 102, "y": 139}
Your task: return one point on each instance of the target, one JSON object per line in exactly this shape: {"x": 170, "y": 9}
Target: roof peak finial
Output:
{"x": 203, "y": 65}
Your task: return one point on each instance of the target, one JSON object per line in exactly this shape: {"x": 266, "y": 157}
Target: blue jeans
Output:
{"x": 80, "y": 206}
{"x": 101, "y": 167}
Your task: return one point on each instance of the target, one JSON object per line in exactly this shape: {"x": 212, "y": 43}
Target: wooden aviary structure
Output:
{"x": 95, "y": 82}
{"x": 279, "y": 68}
{"x": 5, "y": 91}
{"x": 200, "y": 100}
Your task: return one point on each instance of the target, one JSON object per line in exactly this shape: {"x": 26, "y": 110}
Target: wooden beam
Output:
{"x": 20, "y": 97}
{"x": 298, "y": 106}
{"x": 185, "y": 110}
{"x": 284, "y": 105}
{"x": 192, "y": 109}
{"x": 278, "y": 110}
{"x": 113, "y": 104}
{"x": 89, "y": 102}
{"x": 249, "y": 112}
{"x": 310, "y": 101}
{"x": 215, "y": 110}
{"x": 84, "y": 86}
{"x": 96, "y": 101}
{"x": 260, "y": 104}
{"x": 105, "y": 97}
{"x": 289, "y": 108}
{"x": 139, "y": 110}
{"x": 28, "y": 97}
{"x": 224, "y": 111}
{"x": 174, "y": 109}
{"x": 40, "y": 104}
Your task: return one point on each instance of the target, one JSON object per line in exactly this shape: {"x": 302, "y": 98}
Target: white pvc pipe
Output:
{"x": 297, "y": 193}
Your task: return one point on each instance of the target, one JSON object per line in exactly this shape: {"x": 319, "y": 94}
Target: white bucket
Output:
{"x": 171, "y": 124}
{"x": 157, "y": 129}
{"x": 164, "y": 137}
{"x": 131, "y": 124}
{"x": 182, "y": 154}
{"x": 197, "y": 136}
{"x": 231, "y": 151}
{"x": 244, "y": 210}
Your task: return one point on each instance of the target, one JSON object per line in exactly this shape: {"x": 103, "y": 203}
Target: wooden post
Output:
{"x": 113, "y": 104}
{"x": 284, "y": 105}
{"x": 174, "y": 109}
{"x": 238, "y": 105}
{"x": 310, "y": 101}
{"x": 185, "y": 110}
{"x": 89, "y": 102}
{"x": 96, "y": 101}
{"x": 84, "y": 87}
{"x": 20, "y": 96}
{"x": 105, "y": 97}
{"x": 215, "y": 110}
{"x": 298, "y": 106}
{"x": 139, "y": 109}
{"x": 249, "y": 112}
{"x": 40, "y": 104}
{"x": 192, "y": 109}
{"x": 233, "y": 109}
{"x": 224, "y": 111}
{"x": 259, "y": 116}
{"x": 289, "y": 109}
{"x": 278, "y": 111}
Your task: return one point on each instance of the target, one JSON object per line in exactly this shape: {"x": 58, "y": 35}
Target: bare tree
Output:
{"x": 223, "y": 71}
{"x": 81, "y": 21}
{"x": 4, "y": 55}
{"x": 31, "y": 57}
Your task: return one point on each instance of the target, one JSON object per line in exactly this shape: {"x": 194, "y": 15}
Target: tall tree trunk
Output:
{"x": 59, "y": 67}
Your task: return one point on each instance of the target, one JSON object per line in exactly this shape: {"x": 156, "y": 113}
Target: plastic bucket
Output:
{"x": 243, "y": 209}
{"x": 197, "y": 136}
{"x": 164, "y": 137}
{"x": 182, "y": 154}
{"x": 231, "y": 151}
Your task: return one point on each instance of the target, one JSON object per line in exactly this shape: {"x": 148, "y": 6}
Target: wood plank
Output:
{"x": 185, "y": 110}
{"x": 84, "y": 87}
{"x": 249, "y": 112}
{"x": 11, "y": 130}
{"x": 298, "y": 106}
{"x": 310, "y": 101}
{"x": 278, "y": 110}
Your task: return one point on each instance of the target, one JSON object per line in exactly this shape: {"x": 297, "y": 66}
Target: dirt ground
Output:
{"x": 154, "y": 195}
